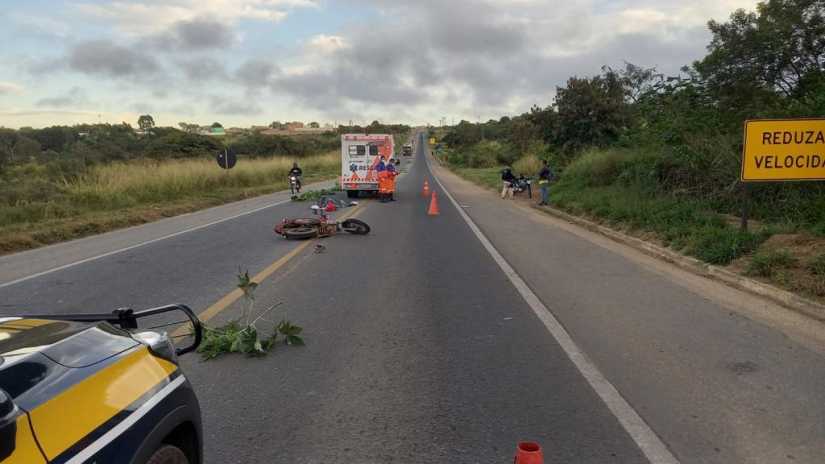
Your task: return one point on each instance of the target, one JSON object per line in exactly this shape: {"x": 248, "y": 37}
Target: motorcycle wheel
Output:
{"x": 354, "y": 226}
{"x": 300, "y": 233}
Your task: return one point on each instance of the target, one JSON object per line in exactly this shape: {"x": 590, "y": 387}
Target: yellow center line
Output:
{"x": 233, "y": 296}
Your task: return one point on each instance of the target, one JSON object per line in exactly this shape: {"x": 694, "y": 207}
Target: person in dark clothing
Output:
{"x": 298, "y": 173}
{"x": 545, "y": 176}
{"x": 507, "y": 179}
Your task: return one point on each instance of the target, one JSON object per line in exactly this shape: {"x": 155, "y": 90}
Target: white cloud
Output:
{"x": 10, "y": 88}
{"x": 327, "y": 44}
{"x": 153, "y": 16}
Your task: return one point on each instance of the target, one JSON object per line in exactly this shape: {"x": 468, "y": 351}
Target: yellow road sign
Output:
{"x": 784, "y": 149}
{"x": 432, "y": 140}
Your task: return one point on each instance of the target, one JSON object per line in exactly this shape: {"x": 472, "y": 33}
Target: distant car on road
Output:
{"x": 407, "y": 150}
{"x": 95, "y": 388}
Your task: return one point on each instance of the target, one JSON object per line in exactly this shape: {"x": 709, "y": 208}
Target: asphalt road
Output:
{"x": 421, "y": 349}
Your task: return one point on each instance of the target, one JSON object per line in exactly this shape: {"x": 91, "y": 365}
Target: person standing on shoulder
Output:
{"x": 545, "y": 176}
{"x": 507, "y": 179}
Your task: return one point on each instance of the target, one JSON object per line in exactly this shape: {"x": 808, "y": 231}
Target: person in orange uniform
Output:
{"x": 391, "y": 173}
{"x": 383, "y": 186}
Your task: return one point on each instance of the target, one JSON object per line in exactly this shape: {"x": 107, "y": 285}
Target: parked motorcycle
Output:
{"x": 322, "y": 226}
{"x": 523, "y": 184}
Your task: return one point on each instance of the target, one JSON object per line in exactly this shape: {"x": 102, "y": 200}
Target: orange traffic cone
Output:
{"x": 426, "y": 192}
{"x": 433, "y": 210}
{"x": 528, "y": 453}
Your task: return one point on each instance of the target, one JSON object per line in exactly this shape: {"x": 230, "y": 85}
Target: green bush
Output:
{"x": 766, "y": 263}
{"x": 484, "y": 154}
{"x": 817, "y": 265}
{"x": 28, "y": 190}
{"x": 529, "y": 165}
{"x": 178, "y": 144}
{"x": 480, "y": 157}
{"x": 597, "y": 167}
{"x": 716, "y": 245}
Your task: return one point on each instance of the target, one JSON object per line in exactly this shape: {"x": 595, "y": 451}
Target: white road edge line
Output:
{"x": 641, "y": 433}
{"x": 138, "y": 245}
{"x": 117, "y": 430}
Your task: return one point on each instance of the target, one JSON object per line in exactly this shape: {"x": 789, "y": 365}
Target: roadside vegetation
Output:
{"x": 61, "y": 182}
{"x": 659, "y": 156}
{"x": 242, "y": 335}
{"x": 314, "y": 195}
{"x": 38, "y": 209}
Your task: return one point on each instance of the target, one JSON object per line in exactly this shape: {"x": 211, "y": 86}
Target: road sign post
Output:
{"x": 781, "y": 150}
{"x": 746, "y": 203}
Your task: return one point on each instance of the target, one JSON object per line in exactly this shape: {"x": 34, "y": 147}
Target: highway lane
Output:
{"x": 419, "y": 350}
{"x": 722, "y": 376}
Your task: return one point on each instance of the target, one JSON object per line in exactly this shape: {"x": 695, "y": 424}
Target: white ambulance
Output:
{"x": 360, "y": 154}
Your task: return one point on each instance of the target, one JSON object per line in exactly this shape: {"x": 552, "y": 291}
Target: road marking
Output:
{"x": 233, "y": 296}
{"x": 138, "y": 245}
{"x": 641, "y": 433}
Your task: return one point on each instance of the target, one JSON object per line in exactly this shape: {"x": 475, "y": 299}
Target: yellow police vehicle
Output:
{"x": 97, "y": 389}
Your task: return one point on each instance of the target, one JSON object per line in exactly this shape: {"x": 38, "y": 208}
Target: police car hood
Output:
{"x": 37, "y": 354}
{"x": 71, "y": 344}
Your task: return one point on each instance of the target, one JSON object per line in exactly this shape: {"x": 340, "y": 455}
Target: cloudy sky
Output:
{"x": 244, "y": 62}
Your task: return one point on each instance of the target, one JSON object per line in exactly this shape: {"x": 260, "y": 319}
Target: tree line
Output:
{"x": 767, "y": 63}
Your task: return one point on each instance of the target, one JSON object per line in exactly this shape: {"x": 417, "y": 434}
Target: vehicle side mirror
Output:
{"x": 8, "y": 425}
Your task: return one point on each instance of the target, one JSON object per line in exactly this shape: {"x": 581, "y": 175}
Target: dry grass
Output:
{"x": 127, "y": 184}
{"x": 529, "y": 165}
{"x": 124, "y": 194}
{"x": 795, "y": 262}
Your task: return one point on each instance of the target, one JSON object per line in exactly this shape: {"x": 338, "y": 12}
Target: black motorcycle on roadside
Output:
{"x": 523, "y": 184}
